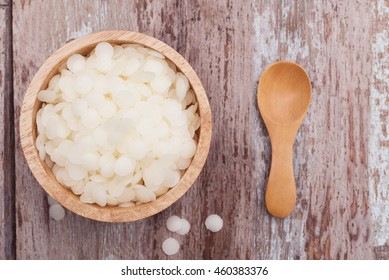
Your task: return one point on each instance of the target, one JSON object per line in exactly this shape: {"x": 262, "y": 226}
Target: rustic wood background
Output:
{"x": 341, "y": 152}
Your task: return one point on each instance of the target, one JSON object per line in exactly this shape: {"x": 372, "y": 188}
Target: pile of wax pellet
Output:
{"x": 118, "y": 127}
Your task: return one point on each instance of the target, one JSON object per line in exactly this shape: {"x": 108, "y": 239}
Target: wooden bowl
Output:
{"x": 44, "y": 174}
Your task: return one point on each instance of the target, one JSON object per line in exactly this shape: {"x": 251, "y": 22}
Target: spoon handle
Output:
{"x": 281, "y": 187}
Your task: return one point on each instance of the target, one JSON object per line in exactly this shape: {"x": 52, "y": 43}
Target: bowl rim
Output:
{"x": 41, "y": 171}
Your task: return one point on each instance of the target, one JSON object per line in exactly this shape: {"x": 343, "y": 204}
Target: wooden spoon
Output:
{"x": 284, "y": 95}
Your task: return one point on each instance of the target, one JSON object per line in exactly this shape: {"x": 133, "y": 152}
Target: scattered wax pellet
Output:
{"x": 185, "y": 227}
{"x": 170, "y": 246}
{"x": 57, "y": 212}
{"x": 51, "y": 201}
{"x": 214, "y": 223}
{"x": 174, "y": 223}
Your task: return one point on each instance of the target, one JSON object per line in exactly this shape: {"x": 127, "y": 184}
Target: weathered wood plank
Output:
{"x": 379, "y": 131}
{"x": 3, "y": 30}
{"x": 229, "y": 44}
{"x": 7, "y": 199}
{"x": 75, "y": 237}
{"x": 332, "y": 41}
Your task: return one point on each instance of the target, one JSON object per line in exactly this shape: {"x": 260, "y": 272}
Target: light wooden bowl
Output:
{"x": 43, "y": 173}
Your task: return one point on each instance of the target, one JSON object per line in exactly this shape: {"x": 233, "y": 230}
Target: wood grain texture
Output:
{"x": 379, "y": 130}
{"x": 3, "y": 29}
{"x": 229, "y": 44}
{"x": 332, "y": 42}
{"x": 4, "y": 3}
{"x": 7, "y": 222}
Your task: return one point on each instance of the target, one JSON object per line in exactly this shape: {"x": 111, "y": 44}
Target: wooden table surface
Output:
{"x": 341, "y": 152}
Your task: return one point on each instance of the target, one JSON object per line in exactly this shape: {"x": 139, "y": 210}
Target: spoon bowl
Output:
{"x": 284, "y": 95}
{"x": 285, "y": 92}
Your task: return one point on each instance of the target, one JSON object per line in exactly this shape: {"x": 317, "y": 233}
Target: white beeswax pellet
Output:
{"x": 79, "y": 107}
{"x": 74, "y": 155}
{"x": 143, "y": 77}
{"x": 125, "y": 98}
{"x": 160, "y": 190}
{"x": 66, "y": 84}
{"x": 97, "y": 178}
{"x": 76, "y": 172}
{"x": 161, "y": 83}
{"x": 182, "y": 163}
{"x": 83, "y": 84}
{"x": 156, "y": 66}
{"x": 90, "y": 118}
{"x": 107, "y": 170}
{"x": 182, "y": 85}
{"x": 144, "y": 195}
{"x": 174, "y": 223}
{"x": 107, "y": 109}
{"x": 104, "y": 64}
{"x": 104, "y": 49}
{"x": 170, "y": 246}
{"x": 62, "y": 129}
{"x": 162, "y": 131}
{"x": 214, "y": 223}
{"x": 145, "y": 127}
{"x": 127, "y": 195}
{"x": 126, "y": 204}
{"x": 100, "y": 83}
{"x": 137, "y": 149}
{"x": 162, "y": 148}
{"x": 56, "y": 212}
{"x": 124, "y": 166}
{"x": 41, "y": 147}
{"x": 86, "y": 198}
{"x": 76, "y": 63}
{"x": 154, "y": 175}
{"x": 156, "y": 54}
{"x": 117, "y": 51}
{"x": 112, "y": 201}
{"x": 90, "y": 161}
{"x": 79, "y": 187}
{"x": 51, "y": 201}
{"x": 47, "y": 96}
{"x": 99, "y": 195}
{"x": 188, "y": 149}
{"x": 132, "y": 65}
{"x": 172, "y": 177}
{"x": 53, "y": 83}
{"x": 185, "y": 227}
